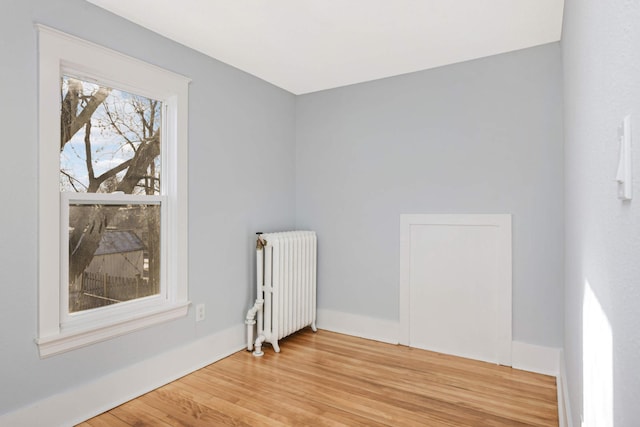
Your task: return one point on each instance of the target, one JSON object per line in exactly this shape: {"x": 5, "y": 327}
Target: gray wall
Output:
{"x": 478, "y": 137}
{"x": 236, "y": 122}
{"x": 601, "y": 58}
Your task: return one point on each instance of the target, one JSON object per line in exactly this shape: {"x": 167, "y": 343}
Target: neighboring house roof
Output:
{"x": 119, "y": 241}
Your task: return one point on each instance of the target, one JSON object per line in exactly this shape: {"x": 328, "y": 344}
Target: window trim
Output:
{"x": 59, "y": 53}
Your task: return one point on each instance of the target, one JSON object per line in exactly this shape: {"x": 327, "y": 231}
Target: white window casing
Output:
{"x": 57, "y": 330}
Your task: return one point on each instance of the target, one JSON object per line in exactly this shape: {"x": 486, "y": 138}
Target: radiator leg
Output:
{"x": 313, "y": 326}
{"x": 275, "y": 346}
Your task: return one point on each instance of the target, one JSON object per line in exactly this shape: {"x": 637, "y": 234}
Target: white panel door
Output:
{"x": 458, "y": 272}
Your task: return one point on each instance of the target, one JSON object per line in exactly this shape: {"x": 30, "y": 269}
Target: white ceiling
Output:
{"x": 309, "y": 45}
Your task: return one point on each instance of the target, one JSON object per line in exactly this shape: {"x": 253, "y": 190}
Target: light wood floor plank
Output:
{"x": 105, "y": 420}
{"x": 136, "y": 412}
{"x": 329, "y": 379}
{"x": 262, "y": 398}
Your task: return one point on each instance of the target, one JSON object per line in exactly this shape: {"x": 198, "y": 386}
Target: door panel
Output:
{"x": 459, "y": 277}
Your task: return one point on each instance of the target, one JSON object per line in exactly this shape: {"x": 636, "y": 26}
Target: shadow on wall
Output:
{"x": 597, "y": 362}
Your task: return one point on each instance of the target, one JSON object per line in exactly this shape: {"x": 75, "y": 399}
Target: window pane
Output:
{"x": 114, "y": 255}
{"x": 110, "y": 139}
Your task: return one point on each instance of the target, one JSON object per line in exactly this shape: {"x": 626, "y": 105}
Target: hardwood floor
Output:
{"x": 329, "y": 379}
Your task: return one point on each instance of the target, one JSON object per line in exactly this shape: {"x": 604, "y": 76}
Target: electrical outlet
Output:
{"x": 200, "y": 312}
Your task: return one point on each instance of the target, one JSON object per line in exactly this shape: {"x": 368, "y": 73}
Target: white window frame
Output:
{"x": 60, "y": 53}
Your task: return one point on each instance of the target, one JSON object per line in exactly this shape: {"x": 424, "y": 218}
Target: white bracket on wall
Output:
{"x": 623, "y": 177}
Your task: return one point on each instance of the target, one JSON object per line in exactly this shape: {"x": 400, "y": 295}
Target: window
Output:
{"x": 112, "y": 193}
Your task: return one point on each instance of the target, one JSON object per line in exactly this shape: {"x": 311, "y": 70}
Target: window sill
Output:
{"x": 69, "y": 340}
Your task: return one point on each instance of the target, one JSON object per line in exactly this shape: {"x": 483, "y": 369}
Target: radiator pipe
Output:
{"x": 258, "y": 345}
{"x": 251, "y": 320}
{"x": 264, "y": 337}
{"x": 257, "y": 308}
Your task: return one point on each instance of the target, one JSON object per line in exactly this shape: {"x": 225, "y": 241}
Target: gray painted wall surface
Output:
{"x": 236, "y": 122}
{"x": 601, "y": 58}
{"x": 478, "y": 137}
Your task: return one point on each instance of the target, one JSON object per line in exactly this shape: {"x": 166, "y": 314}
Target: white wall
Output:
{"x": 601, "y": 57}
{"x": 483, "y": 136}
{"x": 237, "y": 123}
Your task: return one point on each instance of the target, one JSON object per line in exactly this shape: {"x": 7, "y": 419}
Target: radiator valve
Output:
{"x": 261, "y": 243}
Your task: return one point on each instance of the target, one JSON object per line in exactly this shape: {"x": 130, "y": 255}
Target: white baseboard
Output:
{"x": 528, "y": 357}
{"x": 564, "y": 404}
{"x": 548, "y": 361}
{"x": 535, "y": 358}
{"x": 88, "y": 400}
{"x": 359, "y": 326}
